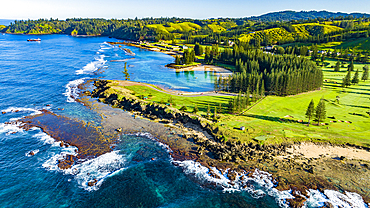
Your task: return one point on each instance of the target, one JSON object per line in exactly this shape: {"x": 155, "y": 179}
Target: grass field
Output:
{"x": 301, "y": 30}
{"x": 277, "y": 119}
{"x": 270, "y": 117}
{"x": 170, "y": 27}
{"x": 202, "y": 101}
{"x": 360, "y": 44}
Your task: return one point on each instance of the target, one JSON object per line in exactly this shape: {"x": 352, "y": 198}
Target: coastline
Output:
{"x": 291, "y": 170}
{"x": 196, "y": 147}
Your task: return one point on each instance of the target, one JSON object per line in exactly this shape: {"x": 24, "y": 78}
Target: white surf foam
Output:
{"x": 95, "y": 169}
{"x": 72, "y": 90}
{"x": 151, "y": 137}
{"x": 32, "y": 153}
{"x": 335, "y": 198}
{"x": 261, "y": 183}
{"x": 20, "y": 109}
{"x": 258, "y": 185}
{"x": 9, "y": 128}
{"x": 93, "y": 66}
{"x": 46, "y": 139}
{"x": 99, "y": 60}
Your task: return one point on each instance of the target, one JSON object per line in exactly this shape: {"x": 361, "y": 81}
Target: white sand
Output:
{"x": 311, "y": 150}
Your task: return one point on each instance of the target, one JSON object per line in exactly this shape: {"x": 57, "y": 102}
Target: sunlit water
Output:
{"x": 44, "y": 75}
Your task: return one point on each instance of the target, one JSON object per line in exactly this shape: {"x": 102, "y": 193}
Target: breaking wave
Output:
{"x": 260, "y": 183}
{"x": 72, "y": 90}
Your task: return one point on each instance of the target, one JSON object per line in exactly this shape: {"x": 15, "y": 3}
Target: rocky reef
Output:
{"x": 295, "y": 172}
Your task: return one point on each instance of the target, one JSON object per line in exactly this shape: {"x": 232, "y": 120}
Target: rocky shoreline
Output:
{"x": 291, "y": 171}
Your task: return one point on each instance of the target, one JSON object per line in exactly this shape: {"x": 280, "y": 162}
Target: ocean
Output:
{"x": 45, "y": 75}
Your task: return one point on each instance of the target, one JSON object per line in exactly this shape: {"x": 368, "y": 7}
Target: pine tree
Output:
{"x": 231, "y": 106}
{"x": 356, "y": 79}
{"x": 177, "y": 60}
{"x": 195, "y": 110}
{"x": 365, "y": 74}
{"x": 219, "y": 109}
{"x": 215, "y": 113}
{"x": 262, "y": 91}
{"x": 320, "y": 113}
{"x": 216, "y": 84}
{"x": 207, "y": 57}
{"x": 337, "y": 66}
{"x": 347, "y": 79}
{"x": 125, "y": 72}
{"x": 247, "y": 97}
{"x": 351, "y": 67}
{"x": 310, "y": 111}
{"x": 208, "y": 111}
{"x": 198, "y": 49}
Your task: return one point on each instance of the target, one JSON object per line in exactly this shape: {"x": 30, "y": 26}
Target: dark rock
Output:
{"x": 92, "y": 183}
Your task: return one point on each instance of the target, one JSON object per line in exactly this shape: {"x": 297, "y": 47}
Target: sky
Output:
{"x": 197, "y": 9}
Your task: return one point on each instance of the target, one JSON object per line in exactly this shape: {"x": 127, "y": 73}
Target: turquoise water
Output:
{"x": 44, "y": 75}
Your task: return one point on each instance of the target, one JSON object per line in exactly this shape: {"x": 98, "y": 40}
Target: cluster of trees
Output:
{"x": 136, "y": 29}
{"x": 187, "y": 58}
{"x": 348, "y": 80}
{"x": 319, "y": 112}
{"x": 260, "y": 73}
{"x": 238, "y": 103}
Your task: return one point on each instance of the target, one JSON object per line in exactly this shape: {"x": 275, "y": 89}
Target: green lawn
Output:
{"x": 264, "y": 118}
{"x": 277, "y": 119}
{"x": 360, "y": 44}
{"x": 202, "y": 101}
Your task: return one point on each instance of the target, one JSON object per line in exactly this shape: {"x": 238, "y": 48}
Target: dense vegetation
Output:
{"x": 305, "y": 27}
{"x": 259, "y": 73}
{"x": 292, "y": 15}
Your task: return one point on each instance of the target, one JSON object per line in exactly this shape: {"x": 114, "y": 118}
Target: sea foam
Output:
{"x": 21, "y": 109}
{"x": 335, "y": 198}
{"x": 97, "y": 169}
{"x": 13, "y": 127}
{"x": 260, "y": 183}
{"x": 72, "y": 90}
{"x": 98, "y": 62}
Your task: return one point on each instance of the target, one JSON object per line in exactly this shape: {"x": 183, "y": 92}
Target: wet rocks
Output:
{"x": 92, "y": 183}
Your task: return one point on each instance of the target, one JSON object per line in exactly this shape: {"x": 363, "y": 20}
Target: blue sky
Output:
{"x": 202, "y": 9}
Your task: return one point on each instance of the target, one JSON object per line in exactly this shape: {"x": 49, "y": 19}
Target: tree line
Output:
{"x": 259, "y": 73}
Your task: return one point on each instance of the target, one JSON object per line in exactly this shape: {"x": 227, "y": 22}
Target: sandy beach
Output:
{"x": 310, "y": 150}
{"x": 209, "y": 68}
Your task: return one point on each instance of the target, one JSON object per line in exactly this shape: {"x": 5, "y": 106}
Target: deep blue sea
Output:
{"x": 44, "y": 75}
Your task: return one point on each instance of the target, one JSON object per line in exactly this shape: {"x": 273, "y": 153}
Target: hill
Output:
{"x": 303, "y": 15}
{"x": 299, "y": 30}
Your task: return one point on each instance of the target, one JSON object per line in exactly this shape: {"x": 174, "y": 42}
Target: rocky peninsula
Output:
{"x": 195, "y": 138}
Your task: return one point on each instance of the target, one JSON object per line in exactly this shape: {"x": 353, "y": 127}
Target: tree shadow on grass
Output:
{"x": 333, "y": 87}
{"x": 272, "y": 118}
{"x": 357, "y": 106}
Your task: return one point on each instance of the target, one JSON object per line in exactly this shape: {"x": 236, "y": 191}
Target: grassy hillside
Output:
{"x": 300, "y": 30}
{"x": 313, "y": 29}
{"x": 216, "y": 28}
{"x": 171, "y": 27}
{"x": 276, "y": 34}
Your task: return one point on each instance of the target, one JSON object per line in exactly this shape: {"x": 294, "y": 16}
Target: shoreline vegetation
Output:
{"x": 292, "y": 164}
{"x": 269, "y": 72}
